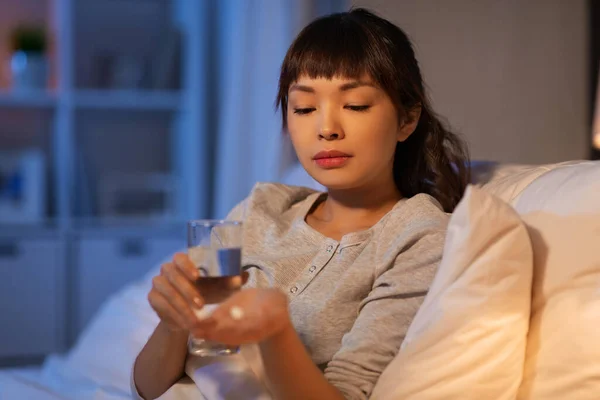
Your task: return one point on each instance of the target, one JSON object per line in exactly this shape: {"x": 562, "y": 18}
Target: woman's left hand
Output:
{"x": 249, "y": 316}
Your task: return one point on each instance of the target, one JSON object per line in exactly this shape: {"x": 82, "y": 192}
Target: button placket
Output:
{"x": 319, "y": 262}
{"x": 322, "y": 259}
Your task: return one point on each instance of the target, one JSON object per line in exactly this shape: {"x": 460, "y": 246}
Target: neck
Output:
{"x": 360, "y": 204}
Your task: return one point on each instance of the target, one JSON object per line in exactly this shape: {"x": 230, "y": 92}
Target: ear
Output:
{"x": 409, "y": 123}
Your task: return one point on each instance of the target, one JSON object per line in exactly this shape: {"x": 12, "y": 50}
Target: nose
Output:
{"x": 329, "y": 127}
{"x": 328, "y": 135}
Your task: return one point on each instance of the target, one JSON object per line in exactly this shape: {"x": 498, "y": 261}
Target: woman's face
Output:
{"x": 345, "y": 131}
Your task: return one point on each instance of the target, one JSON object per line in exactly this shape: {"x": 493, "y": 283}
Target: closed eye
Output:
{"x": 358, "y": 108}
{"x": 304, "y": 111}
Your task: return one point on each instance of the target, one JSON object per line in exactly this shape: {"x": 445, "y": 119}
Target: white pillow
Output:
{"x": 563, "y": 355}
{"x": 105, "y": 351}
{"x": 569, "y": 189}
{"x": 467, "y": 340}
{"x": 563, "y": 349}
{"x": 506, "y": 181}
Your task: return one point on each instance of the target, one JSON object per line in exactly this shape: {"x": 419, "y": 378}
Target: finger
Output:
{"x": 183, "y": 262}
{"x": 165, "y": 310}
{"x": 235, "y": 282}
{"x": 227, "y": 317}
{"x": 204, "y": 324}
{"x": 221, "y": 331}
{"x": 203, "y": 328}
{"x": 182, "y": 284}
{"x": 175, "y": 299}
{"x": 230, "y": 331}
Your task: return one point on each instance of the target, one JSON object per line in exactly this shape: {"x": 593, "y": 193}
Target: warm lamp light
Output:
{"x": 596, "y": 124}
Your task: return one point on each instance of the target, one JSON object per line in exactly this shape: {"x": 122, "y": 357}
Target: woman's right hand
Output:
{"x": 173, "y": 295}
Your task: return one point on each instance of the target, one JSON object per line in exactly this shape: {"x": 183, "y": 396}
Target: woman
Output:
{"x": 350, "y": 266}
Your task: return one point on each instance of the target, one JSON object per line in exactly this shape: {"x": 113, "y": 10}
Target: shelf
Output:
{"x": 96, "y": 99}
{"x": 111, "y": 221}
{"x": 91, "y": 126}
{"x": 95, "y": 228}
{"x": 29, "y": 99}
{"x": 42, "y": 230}
{"x": 128, "y": 226}
{"x": 128, "y": 100}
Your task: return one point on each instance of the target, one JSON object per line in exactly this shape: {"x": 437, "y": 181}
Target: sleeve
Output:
{"x": 238, "y": 213}
{"x": 384, "y": 317}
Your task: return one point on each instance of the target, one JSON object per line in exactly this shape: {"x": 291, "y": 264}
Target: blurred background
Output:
{"x": 122, "y": 119}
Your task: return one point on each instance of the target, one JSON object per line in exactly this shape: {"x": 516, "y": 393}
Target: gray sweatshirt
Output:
{"x": 351, "y": 301}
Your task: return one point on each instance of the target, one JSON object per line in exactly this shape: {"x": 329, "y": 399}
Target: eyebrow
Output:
{"x": 301, "y": 88}
{"x": 343, "y": 88}
{"x": 354, "y": 85}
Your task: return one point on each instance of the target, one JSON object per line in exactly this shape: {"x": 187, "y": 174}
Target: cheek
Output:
{"x": 377, "y": 134}
{"x": 381, "y": 151}
{"x": 299, "y": 130}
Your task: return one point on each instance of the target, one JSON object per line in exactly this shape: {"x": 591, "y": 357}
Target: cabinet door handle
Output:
{"x": 9, "y": 250}
{"x": 133, "y": 248}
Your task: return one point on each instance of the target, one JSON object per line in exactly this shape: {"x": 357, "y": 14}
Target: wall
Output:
{"x": 511, "y": 75}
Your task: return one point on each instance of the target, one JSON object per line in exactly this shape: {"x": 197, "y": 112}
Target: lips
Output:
{"x": 330, "y": 154}
{"x": 331, "y": 159}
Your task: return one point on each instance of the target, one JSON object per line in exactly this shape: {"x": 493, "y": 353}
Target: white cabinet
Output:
{"x": 106, "y": 265}
{"x": 97, "y": 132}
{"x": 32, "y": 288}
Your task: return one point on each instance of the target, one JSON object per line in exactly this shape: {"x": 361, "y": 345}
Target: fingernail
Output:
{"x": 198, "y": 301}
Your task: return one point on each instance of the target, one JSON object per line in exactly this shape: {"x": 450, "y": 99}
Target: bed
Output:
{"x": 97, "y": 367}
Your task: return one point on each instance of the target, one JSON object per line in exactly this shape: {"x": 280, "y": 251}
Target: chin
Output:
{"x": 333, "y": 179}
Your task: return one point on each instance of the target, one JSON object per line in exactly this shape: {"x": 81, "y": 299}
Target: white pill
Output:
{"x": 236, "y": 313}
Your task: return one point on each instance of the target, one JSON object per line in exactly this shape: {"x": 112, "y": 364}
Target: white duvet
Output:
{"x": 49, "y": 384}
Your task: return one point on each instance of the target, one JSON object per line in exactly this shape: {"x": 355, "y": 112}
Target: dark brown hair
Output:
{"x": 433, "y": 159}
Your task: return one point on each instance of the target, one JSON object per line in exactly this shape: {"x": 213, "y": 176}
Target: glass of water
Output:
{"x": 215, "y": 248}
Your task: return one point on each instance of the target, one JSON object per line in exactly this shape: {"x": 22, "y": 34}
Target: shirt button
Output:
{"x": 294, "y": 289}
{"x": 312, "y": 269}
{"x": 329, "y": 248}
